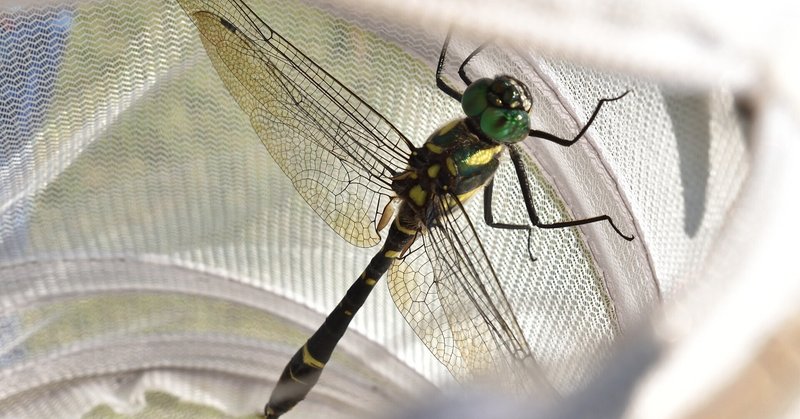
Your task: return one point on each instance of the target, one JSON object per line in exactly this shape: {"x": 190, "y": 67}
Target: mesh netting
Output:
{"x": 150, "y": 248}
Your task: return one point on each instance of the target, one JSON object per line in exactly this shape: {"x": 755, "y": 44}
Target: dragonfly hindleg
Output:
{"x": 489, "y": 218}
{"x": 519, "y": 168}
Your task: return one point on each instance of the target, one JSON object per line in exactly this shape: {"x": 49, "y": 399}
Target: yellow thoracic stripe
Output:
{"x": 433, "y": 170}
{"x": 451, "y": 166}
{"x": 450, "y": 125}
{"x": 434, "y": 148}
{"x": 467, "y": 195}
{"x": 481, "y": 157}
{"x": 418, "y": 195}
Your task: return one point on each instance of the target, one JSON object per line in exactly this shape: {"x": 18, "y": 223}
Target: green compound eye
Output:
{"x": 505, "y": 125}
{"x": 474, "y": 100}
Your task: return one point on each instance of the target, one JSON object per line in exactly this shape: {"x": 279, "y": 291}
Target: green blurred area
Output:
{"x": 69, "y": 322}
{"x": 162, "y": 405}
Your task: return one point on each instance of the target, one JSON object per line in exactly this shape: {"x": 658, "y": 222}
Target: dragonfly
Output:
{"x": 363, "y": 176}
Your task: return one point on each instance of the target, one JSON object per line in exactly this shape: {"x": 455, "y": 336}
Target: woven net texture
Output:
{"x": 154, "y": 258}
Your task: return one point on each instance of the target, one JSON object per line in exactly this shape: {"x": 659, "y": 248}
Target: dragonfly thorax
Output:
{"x": 453, "y": 162}
{"x": 499, "y": 107}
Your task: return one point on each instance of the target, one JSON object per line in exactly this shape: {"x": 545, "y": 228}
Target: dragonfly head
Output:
{"x": 500, "y": 106}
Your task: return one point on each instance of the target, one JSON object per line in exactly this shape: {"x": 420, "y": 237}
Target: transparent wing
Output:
{"x": 449, "y": 293}
{"x": 339, "y": 153}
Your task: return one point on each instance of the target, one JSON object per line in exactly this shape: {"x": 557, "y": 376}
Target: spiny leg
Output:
{"x": 440, "y": 83}
{"x": 566, "y": 143}
{"x": 519, "y": 168}
{"x": 489, "y": 218}
{"x": 461, "y": 72}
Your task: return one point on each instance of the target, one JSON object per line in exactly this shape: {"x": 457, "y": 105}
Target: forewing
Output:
{"x": 339, "y": 153}
{"x": 449, "y": 293}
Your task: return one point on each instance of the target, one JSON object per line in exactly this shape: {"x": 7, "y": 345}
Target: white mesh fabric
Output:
{"x": 145, "y": 231}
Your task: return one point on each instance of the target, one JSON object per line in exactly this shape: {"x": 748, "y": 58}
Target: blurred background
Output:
{"x": 156, "y": 262}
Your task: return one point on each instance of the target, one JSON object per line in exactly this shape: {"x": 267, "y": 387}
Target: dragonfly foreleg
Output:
{"x": 440, "y": 83}
{"x": 566, "y": 143}
{"x": 461, "y": 72}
